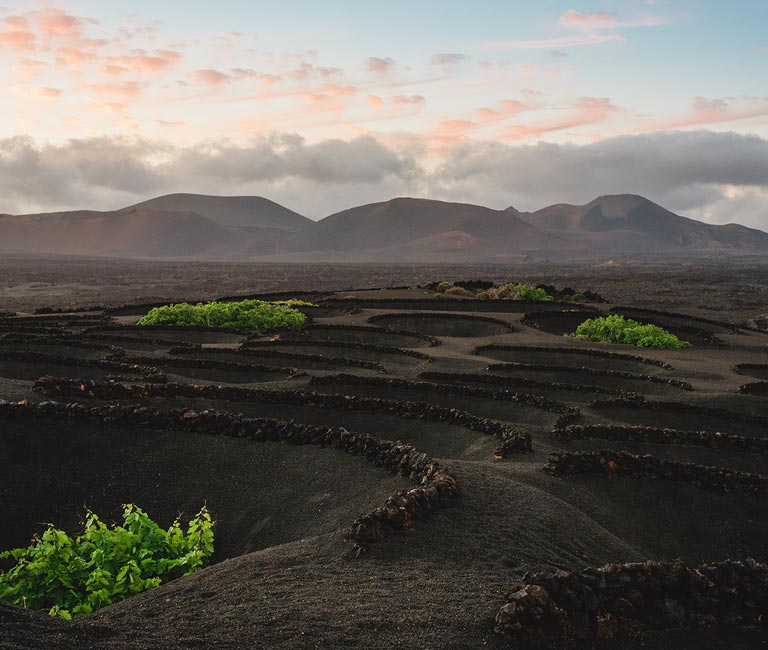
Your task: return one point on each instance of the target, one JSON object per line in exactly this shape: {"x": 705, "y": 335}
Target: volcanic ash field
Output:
{"x": 411, "y": 470}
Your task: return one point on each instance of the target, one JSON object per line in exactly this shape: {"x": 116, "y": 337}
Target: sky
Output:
{"x": 323, "y": 106}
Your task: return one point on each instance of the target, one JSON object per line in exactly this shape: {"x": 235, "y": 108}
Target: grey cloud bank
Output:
{"x": 717, "y": 177}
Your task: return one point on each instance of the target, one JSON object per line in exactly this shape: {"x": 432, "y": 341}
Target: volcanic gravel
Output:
{"x": 639, "y": 478}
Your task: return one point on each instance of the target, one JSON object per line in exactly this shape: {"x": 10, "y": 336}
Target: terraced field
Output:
{"x": 410, "y": 470}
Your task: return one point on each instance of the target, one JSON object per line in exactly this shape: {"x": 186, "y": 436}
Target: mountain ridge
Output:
{"x": 402, "y": 229}
{"x": 238, "y": 211}
{"x": 629, "y": 223}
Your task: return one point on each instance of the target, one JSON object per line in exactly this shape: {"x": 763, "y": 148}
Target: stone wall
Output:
{"x": 148, "y": 373}
{"x": 351, "y": 345}
{"x": 679, "y": 407}
{"x": 759, "y": 388}
{"x": 512, "y": 440}
{"x": 560, "y": 610}
{"x": 601, "y": 354}
{"x": 498, "y": 380}
{"x": 278, "y": 354}
{"x": 594, "y": 372}
{"x": 435, "y": 486}
{"x": 661, "y": 436}
{"x": 610, "y": 462}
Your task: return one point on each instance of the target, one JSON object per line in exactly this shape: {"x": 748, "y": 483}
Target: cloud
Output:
{"x": 408, "y": 100}
{"x": 30, "y": 68}
{"x": 581, "y": 29}
{"x": 711, "y": 111}
{"x": 140, "y": 61}
{"x": 717, "y": 176}
{"x": 588, "y": 110}
{"x": 379, "y": 65}
{"x": 334, "y": 90}
{"x": 690, "y": 172}
{"x": 555, "y": 42}
{"x": 15, "y": 34}
{"x": 55, "y": 23}
{"x": 53, "y": 93}
{"x": 448, "y": 58}
{"x": 602, "y": 20}
{"x": 213, "y": 77}
{"x": 109, "y": 172}
{"x": 166, "y": 124}
{"x": 307, "y": 71}
{"x": 128, "y": 89}
{"x": 588, "y": 21}
{"x": 452, "y": 130}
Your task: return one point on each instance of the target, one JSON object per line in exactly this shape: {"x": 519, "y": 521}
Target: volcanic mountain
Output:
{"x": 407, "y": 229}
{"x": 128, "y": 233}
{"x": 627, "y": 223}
{"x": 230, "y": 211}
{"x": 203, "y": 227}
{"x": 175, "y": 225}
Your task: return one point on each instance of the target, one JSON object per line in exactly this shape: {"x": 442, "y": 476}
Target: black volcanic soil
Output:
{"x": 52, "y": 470}
{"x": 291, "y": 580}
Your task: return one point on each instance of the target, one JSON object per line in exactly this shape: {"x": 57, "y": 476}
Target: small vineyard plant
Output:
{"x": 72, "y": 576}
{"x": 617, "y": 329}
{"x": 257, "y": 315}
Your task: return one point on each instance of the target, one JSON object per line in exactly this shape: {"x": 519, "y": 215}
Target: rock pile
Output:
{"x": 144, "y": 340}
{"x": 594, "y": 372}
{"x": 639, "y": 312}
{"x": 278, "y": 354}
{"x": 759, "y": 388}
{"x": 600, "y": 354}
{"x": 363, "y": 329}
{"x": 607, "y": 461}
{"x": 148, "y": 373}
{"x": 467, "y": 378}
{"x": 153, "y": 329}
{"x": 679, "y": 407}
{"x": 513, "y": 441}
{"x": 659, "y": 436}
{"x": 442, "y": 304}
{"x": 350, "y": 345}
{"x": 215, "y": 364}
{"x": 559, "y": 610}
{"x": 501, "y": 395}
{"x": 430, "y": 316}
{"x": 63, "y": 340}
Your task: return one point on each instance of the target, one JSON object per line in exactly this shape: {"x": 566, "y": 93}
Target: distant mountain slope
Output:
{"x": 230, "y": 211}
{"x": 627, "y": 223}
{"x": 128, "y": 233}
{"x": 399, "y": 230}
{"x": 414, "y": 229}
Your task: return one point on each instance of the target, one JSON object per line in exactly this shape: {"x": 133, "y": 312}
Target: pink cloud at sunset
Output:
{"x": 378, "y": 64}
{"x": 588, "y": 110}
{"x": 531, "y": 76}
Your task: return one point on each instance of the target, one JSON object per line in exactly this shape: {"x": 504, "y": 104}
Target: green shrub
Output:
{"x": 515, "y": 291}
{"x": 72, "y": 576}
{"x": 617, "y": 329}
{"x": 257, "y": 315}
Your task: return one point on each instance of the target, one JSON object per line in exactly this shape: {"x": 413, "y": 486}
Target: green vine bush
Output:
{"x": 257, "y": 315}
{"x": 72, "y": 576}
{"x": 617, "y": 329}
